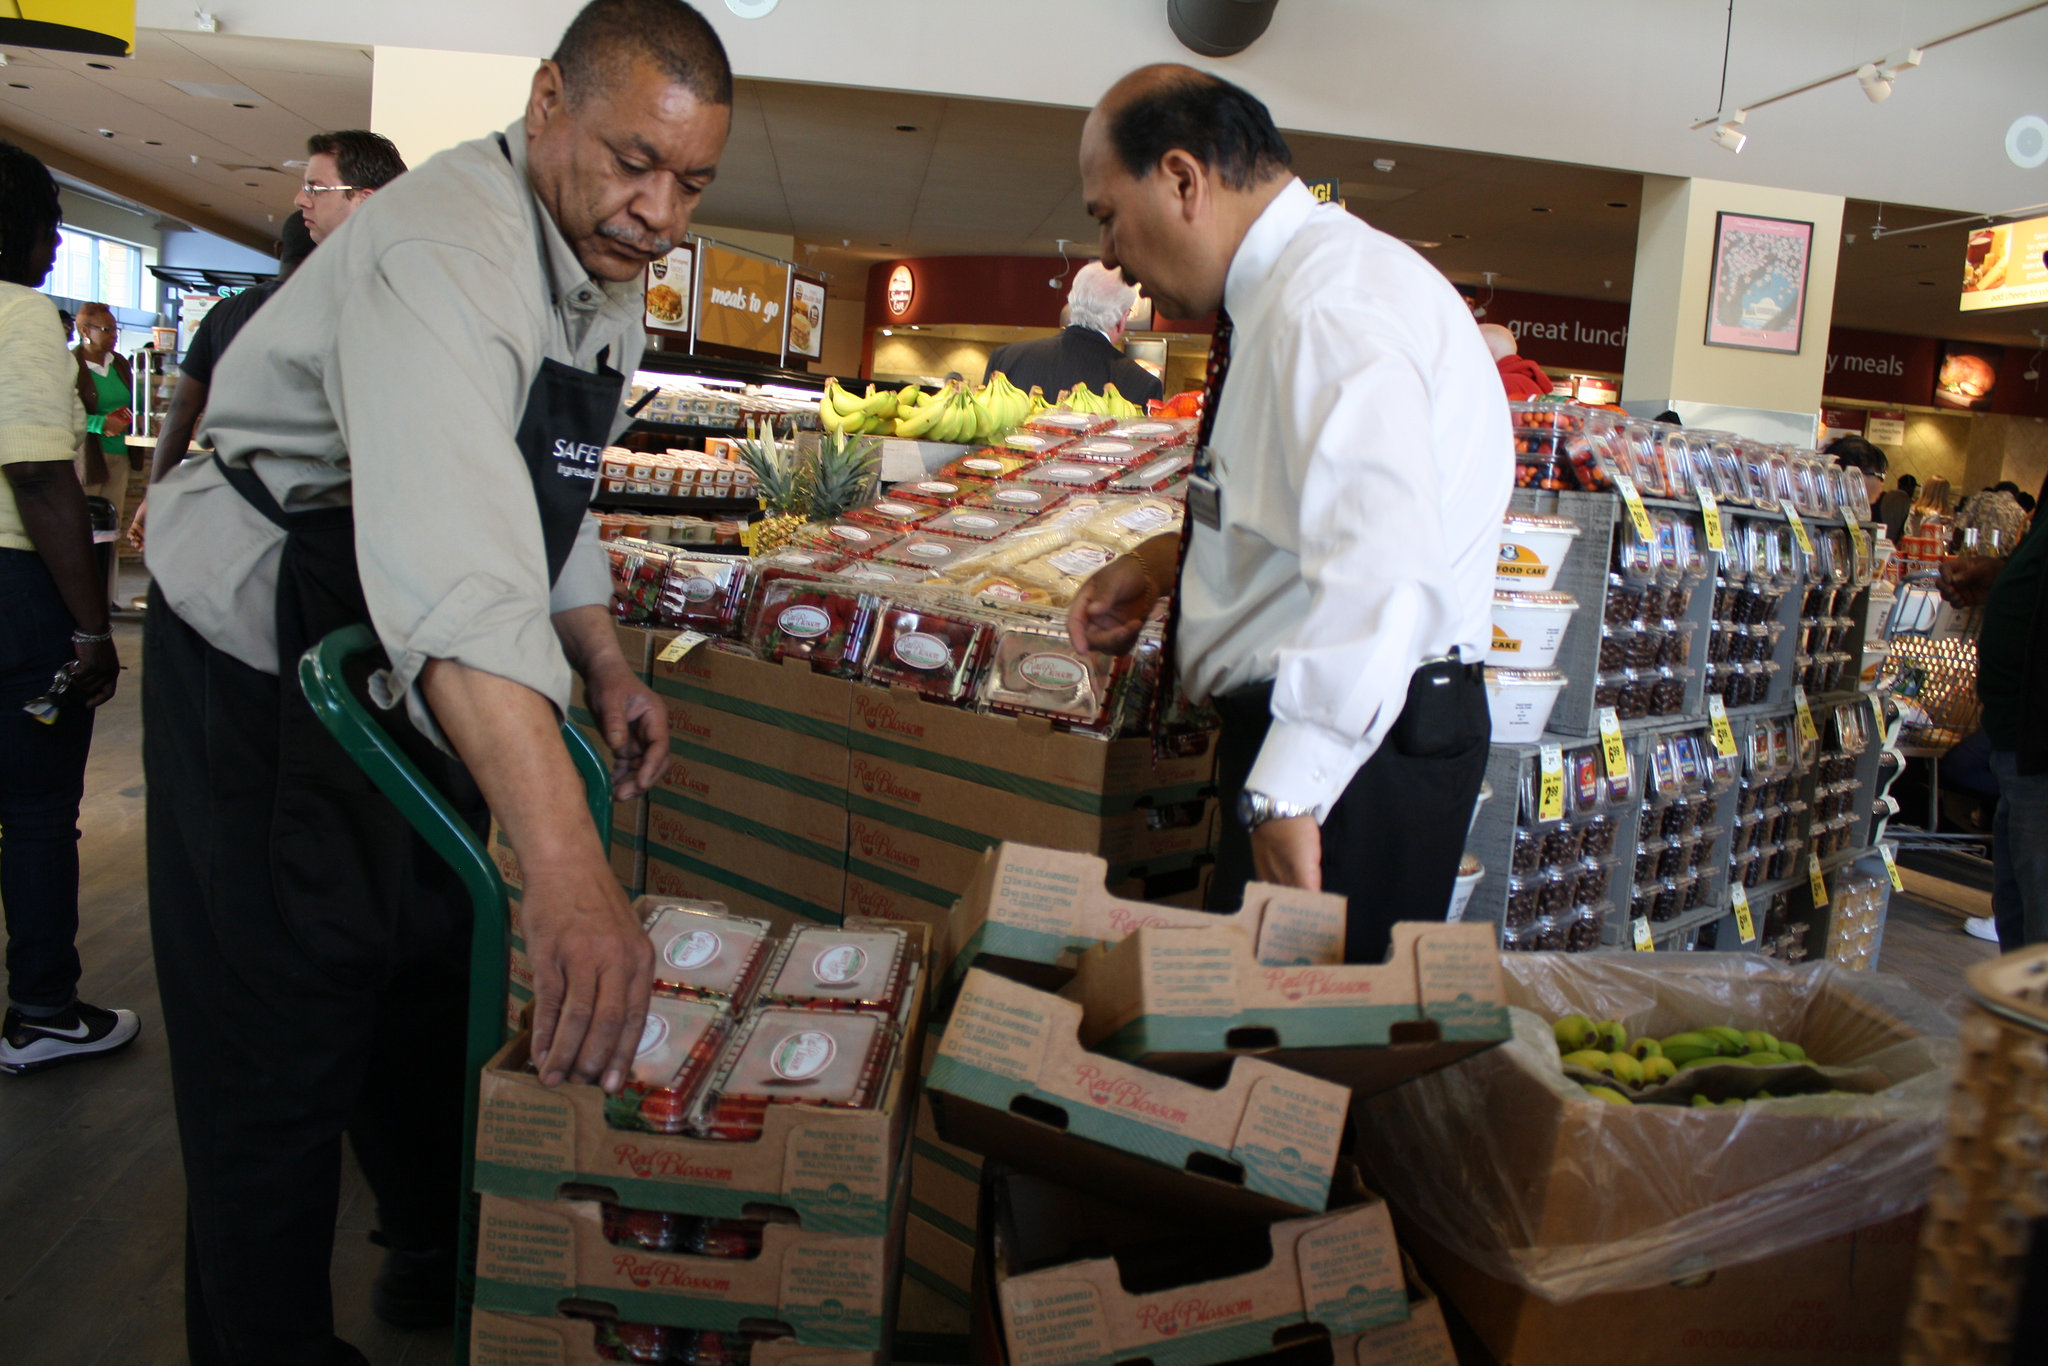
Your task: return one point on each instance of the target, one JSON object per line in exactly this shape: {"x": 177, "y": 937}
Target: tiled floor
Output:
{"x": 91, "y": 1202}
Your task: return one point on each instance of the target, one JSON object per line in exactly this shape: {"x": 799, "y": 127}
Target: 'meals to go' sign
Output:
{"x": 742, "y": 301}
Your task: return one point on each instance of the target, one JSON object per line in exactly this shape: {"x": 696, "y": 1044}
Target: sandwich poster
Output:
{"x": 1758, "y": 302}
{"x": 1968, "y": 373}
{"x": 2006, "y": 266}
{"x": 669, "y": 291}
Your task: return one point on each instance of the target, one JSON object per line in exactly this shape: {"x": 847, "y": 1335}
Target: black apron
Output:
{"x": 357, "y": 887}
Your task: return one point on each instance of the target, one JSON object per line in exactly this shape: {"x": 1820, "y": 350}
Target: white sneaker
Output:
{"x": 82, "y": 1031}
{"x": 1981, "y": 927}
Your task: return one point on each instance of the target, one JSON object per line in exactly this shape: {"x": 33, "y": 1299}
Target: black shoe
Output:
{"x": 27, "y": 1045}
{"x": 415, "y": 1290}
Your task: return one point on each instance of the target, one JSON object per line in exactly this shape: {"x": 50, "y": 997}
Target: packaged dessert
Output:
{"x": 705, "y": 592}
{"x": 974, "y": 523}
{"x": 988, "y": 465}
{"x": 937, "y": 653}
{"x": 801, "y": 560}
{"x": 701, "y": 949}
{"x": 1124, "y": 524}
{"x": 639, "y": 570}
{"x": 1155, "y": 473}
{"x": 679, "y": 1042}
{"x": 940, "y": 493}
{"x": 786, "y": 1056}
{"x": 1035, "y": 671}
{"x": 935, "y": 553}
{"x": 1070, "y": 475}
{"x": 1157, "y": 431}
{"x": 894, "y": 514}
{"x": 1067, "y": 423}
{"x": 1106, "y": 450}
{"x": 1035, "y": 445}
{"x": 1023, "y": 498}
{"x": 824, "y": 625}
{"x": 823, "y": 968}
{"x": 885, "y": 575}
{"x": 1009, "y": 591}
{"x": 1645, "y": 461}
{"x": 850, "y": 539}
{"x": 1073, "y": 562}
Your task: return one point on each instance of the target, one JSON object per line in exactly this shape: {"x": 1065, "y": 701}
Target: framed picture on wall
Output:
{"x": 1758, "y": 298}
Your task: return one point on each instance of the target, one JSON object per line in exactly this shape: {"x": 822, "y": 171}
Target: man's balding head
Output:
{"x": 1175, "y": 165}
{"x": 1499, "y": 340}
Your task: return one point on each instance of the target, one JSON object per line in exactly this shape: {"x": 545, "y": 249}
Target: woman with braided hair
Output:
{"x": 56, "y": 647}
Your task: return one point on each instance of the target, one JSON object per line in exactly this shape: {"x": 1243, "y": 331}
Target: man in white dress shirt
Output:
{"x": 1334, "y": 602}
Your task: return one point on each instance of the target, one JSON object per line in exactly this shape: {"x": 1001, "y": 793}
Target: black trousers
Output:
{"x": 1392, "y": 841}
{"x": 284, "y": 1030}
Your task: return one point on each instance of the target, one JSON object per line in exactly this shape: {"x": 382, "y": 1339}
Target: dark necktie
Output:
{"x": 1219, "y": 369}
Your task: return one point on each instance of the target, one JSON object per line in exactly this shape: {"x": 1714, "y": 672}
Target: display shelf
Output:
{"x": 1704, "y": 914}
{"x": 655, "y": 502}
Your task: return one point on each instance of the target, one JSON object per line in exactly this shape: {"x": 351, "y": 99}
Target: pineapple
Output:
{"x": 781, "y": 476}
{"x": 842, "y": 476}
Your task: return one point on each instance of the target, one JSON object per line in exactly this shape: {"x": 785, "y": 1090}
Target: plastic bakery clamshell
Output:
{"x": 937, "y": 653}
{"x": 986, "y": 465}
{"x": 1036, "y": 444}
{"x": 1020, "y": 498}
{"x": 1158, "y": 431}
{"x": 1156, "y": 473}
{"x": 894, "y": 513}
{"x": 784, "y": 1056}
{"x": 1520, "y": 700}
{"x": 679, "y": 1041}
{"x": 940, "y": 493}
{"x": 1528, "y": 628}
{"x": 1036, "y": 672}
{"x": 974, "y": 523}
{"x": 925, "y": 551}
{"x": 851, "y": 538}
{"x": 700, "y": 949}
{"x": 1065, "y": 422}
{"x": 1070, "y": 475}
{"x": 1532, "y": 550}
{"x": 1106, "y": 450}
{"x": 815, "y": 622}
{"x": 841, "y": 969}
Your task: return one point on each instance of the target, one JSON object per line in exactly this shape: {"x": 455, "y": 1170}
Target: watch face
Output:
{"x": 1250, "y": 809}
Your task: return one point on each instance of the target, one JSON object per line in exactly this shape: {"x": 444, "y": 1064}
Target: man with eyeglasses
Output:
{"x": 343, "y": 169}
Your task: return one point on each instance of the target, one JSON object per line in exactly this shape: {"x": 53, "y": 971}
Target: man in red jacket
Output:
{"x": 1523, "y": 377}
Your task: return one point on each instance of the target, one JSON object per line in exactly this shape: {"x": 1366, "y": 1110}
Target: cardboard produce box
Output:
{"x": 673, "y": 872}
{"x": 1174, "y": 998}
{"x": 788, "y": 695}
{"x": 882, "y": 901}
{"x": 1029, "y": 910}
{"x": 1024, "y": 755}
{"x": 742, "y": 828}
{"x": 498, "y": 1339}
{"x": 758, "y": 749}
{"x": 1333, "y": 1275}
{"x": 1768, "y": 1233}
{"x": 828, "y": 1290}
{"x": 939, "y": 1259}
{"x": 1012, "y": 1081}
{"x": 931, "y": 1323}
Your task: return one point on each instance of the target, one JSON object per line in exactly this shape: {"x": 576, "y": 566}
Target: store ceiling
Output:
{"x": 890, "y": 173}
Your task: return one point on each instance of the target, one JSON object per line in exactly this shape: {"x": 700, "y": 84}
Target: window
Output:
{"x": 95, "y": 269}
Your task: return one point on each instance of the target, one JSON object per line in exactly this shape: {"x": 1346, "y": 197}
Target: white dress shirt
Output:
{"x": 1364, "y": 457}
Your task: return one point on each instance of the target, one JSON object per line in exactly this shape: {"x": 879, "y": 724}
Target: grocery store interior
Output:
{"x": 1733, "y": 721}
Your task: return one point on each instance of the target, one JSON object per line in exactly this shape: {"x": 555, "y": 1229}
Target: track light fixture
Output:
{"x": 1729, "y": 133}
{"x": 1877, "y": 87}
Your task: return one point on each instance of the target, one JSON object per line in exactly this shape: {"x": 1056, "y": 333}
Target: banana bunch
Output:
{"x": 1604, "y": 1046}
{"x": 852, "y": 414}
{"x": 1108, "y": 403}
{"x": 1722, "y": 1043}
{"x": 958, "y": 414}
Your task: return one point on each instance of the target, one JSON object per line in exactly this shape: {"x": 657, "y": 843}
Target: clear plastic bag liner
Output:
{"x": 1516, "y": 1169}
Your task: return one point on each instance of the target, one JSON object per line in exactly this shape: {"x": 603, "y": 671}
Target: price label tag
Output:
{"x": 1857, "y": 539}
{"x": 749, "y": 533}
{"x": 1745, "y": 923}
{"x": 1820, "y": 883}
{"x": 1891, "y": 867}
{"x": 1717, "y": 720}
{"x": 1807, "y": 730}
{"x": 1877, "y": 713}
{"x": 1799, "y": 532}
{"x": 1710, "y": 514}
{"x": 1550, "y": 786}
{"x": 684, "y": 642}
{"x": 1637, "y": 513}
{"x": 1644, "y": 944}
{"x": 1613, "y": 750}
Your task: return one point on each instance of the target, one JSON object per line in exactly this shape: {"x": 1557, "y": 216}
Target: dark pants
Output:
{"x": 1392, "y": 841}
{"x": 279, "y": 1040}
{"x": 42, "y": 777}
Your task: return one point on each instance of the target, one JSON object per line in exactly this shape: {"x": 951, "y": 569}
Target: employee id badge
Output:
{"x": 1205, "y": 496}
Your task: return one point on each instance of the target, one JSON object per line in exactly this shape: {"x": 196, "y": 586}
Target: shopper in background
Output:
{"x": 1344, "y": 520}
{"x": 1991, "y": 522}
{"x": 53, "y": 616}
{"x": 106, "y": 386}
{"x": 2012, "y": 685}
{"x": 343, "y": 169}
{"x": 1523, "y": 378}
{"x": 1854, "y": 453}
{"x": 1088, "y": 348}
{"x": 1894, "y": 506}
{"x": 459, "y": 349}
{"x": 195, "y": 370}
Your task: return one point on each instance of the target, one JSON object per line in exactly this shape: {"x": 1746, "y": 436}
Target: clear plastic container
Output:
{"x": 826, "y": 626}
{"x": 679, "y": 1042}
{"x": 701, "y": 949}
{"x": 780, "y": 1056}
{"x": 841, "y": 969}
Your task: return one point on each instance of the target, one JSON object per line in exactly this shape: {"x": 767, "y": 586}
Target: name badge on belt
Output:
{"x": 1205, "y": 496}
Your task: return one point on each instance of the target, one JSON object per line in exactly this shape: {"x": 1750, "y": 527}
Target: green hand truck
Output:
{"x": 322, "y": 676}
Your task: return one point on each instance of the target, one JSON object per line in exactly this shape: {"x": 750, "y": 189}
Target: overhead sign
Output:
{"x": 105, "y": 28}
{"x": 741, "y": 301}
{"x": 902, "y": 289}
{"x": 2006, "y": 266}
{"x": 1884, "y": 428}
{"x": 806, "y": 318}
{"x": 668, "y": 292}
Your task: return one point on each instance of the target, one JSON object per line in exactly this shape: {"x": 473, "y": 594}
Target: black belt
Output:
{"x": 1260, "y": 695}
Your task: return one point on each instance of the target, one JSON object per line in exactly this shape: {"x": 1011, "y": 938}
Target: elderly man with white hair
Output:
{"x": 1088, "y": 350}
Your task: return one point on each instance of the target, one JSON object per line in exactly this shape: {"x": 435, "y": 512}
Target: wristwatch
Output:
{"x": 1254, "y": 809}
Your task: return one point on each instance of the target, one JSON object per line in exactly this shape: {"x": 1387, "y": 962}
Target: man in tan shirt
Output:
{"x": 409, "y": 437}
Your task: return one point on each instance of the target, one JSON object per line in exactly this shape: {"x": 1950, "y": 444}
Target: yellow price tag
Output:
{"x": 1745, "y": 923}
{"x": 1891, "y": 868}
{"x": 1858, "y": 539}
{"x": 1799, "y": 532}
{"x": 1644, "y": 944}
{"x": 1877, "y": 713}
{"x": 1637, "y": 513}
{"x": 749, "y": 533}
{"x": 1710, "y": 513}
{"x": 1717, "y": 721}
{"x": 684, "y": 642}
{"x": 1807, "y": 730}
{"x": 1550, "y": 786}
{"x": 1820, "y": 882}
{"x": 1613, "y": 749}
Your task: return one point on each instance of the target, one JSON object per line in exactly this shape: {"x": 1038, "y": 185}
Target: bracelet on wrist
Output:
{"x": 92, "y": 638}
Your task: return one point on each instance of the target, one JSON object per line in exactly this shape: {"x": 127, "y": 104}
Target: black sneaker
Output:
{"x": 82, "y": 1031}
{"x": 414, "y": 1290}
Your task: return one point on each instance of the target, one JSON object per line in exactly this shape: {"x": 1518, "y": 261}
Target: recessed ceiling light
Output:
{"x": 1537, "y": 208}
{"x": 240, "y": 105}
{"x": 906, "y": 128}
{"x": 1617, "y": 203}
{"x": 17, "y": 85}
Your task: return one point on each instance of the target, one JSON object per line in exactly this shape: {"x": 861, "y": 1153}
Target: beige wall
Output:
{"x": 428, "y": 101}
{"x": 904, "y": 356}
{"x": 1668, "y": 358}
{"x": 845, "y": 330}
{"x": 1972, "y": 452}
{"x": 2020, "y": 447}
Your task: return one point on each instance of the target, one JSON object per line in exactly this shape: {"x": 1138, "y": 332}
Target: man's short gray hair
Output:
{"x": 1099, "y": 298}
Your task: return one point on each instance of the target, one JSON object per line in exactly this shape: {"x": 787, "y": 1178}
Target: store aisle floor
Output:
{"x": 91, "y": 1197}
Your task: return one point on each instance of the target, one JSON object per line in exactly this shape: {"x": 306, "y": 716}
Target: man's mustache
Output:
{"x": 649, "y": 247}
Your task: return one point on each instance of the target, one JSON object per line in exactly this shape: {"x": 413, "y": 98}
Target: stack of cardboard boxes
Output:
{"x": 1162, "y": 1097}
